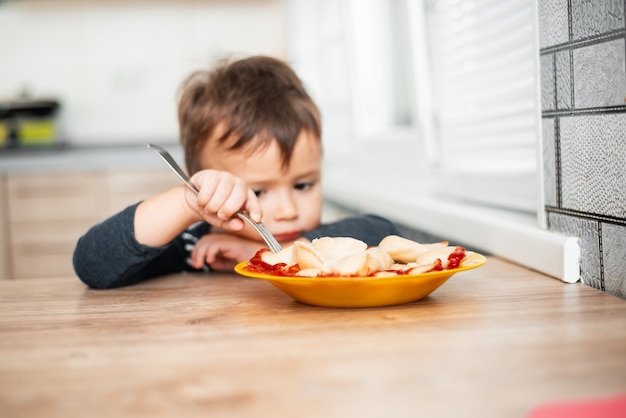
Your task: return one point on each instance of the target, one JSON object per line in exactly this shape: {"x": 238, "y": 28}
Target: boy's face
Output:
{"x": 291, "y": 197}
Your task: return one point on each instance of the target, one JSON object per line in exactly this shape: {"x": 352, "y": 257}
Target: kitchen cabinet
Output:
{"x": 129, "y": 186}
{"x": 4, "y": 247}
{"x": 46, "y": 213}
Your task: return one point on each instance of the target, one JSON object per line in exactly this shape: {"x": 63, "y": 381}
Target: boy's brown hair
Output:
{"x": 255, "y": 99}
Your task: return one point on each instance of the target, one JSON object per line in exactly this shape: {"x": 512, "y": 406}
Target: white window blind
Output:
{"x": 442, "y": 92}
{"x": 483, "y": 55}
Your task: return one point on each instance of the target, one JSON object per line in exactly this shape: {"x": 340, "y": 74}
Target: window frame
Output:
{"x": 403, "y": 176}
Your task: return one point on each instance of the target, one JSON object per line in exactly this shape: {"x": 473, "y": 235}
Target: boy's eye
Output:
{"x": 258, "y": 193}
{"x": 303, "y": 185}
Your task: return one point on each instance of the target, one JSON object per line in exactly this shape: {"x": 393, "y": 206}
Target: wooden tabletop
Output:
{"x": 497, "y": 341}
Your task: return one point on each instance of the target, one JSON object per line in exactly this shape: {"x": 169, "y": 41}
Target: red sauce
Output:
{"x": 437, "y": 267}
{"x": 257, "y": 265}
{"x": 454, "y": 259}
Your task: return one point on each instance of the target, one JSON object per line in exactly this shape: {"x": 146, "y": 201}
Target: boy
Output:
{"x": 252, "y": 141}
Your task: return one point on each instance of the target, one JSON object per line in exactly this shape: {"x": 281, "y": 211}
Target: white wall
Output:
{"x": 116, "y": 66}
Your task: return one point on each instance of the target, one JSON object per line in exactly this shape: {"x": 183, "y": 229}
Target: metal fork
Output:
{"x": 258, "y": 226}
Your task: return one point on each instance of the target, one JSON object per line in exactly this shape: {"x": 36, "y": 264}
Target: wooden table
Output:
{"x": 492, "y": 342}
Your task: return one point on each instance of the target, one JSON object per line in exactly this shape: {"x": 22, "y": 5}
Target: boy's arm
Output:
{"x": 145, "y": 240}
{"x": 370, "y": 229}
{"x": 220, "y": 195}
{"x": 108, "y": 255}
{"x": 161, "y": 218}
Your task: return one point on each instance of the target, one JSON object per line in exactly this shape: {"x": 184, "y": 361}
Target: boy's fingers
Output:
{"x": 197, "y": 256}
{"x": 233, "y": 224}
{"x": 233, "y": 202}
{"x": 253, "y": 207}
{"x": 223, "y": 195}
{"x": 207, "y": 186}
{"x": 220, "y": 198}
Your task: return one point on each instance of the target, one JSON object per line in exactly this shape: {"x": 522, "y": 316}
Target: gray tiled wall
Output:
{"x": 583, "y": 99}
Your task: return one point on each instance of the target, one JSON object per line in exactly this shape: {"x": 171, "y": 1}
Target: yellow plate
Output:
{"x": 362, "y": 292}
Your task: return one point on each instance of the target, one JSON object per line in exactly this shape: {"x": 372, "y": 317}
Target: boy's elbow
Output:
{"x": 84, "y": 267}
{"x": 89, "y": 278}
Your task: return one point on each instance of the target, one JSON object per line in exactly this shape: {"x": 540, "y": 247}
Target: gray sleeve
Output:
{"x": 108, "y": 255}
{"x": 370, "y": 229}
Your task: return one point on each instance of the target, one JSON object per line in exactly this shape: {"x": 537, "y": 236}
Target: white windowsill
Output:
{"x": 515, "y": 237}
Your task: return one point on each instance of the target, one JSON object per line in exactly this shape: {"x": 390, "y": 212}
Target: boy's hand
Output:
{"x": 222, "y": 251}
{"x": 221, "y": 195}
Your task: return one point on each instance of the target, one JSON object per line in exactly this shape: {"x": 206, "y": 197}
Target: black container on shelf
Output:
{"x": 27, "y": 123}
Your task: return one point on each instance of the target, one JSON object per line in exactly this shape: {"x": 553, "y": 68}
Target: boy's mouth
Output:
{"x": 287, "y": 236}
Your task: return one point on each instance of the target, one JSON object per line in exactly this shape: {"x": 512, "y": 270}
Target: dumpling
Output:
{"x": 351, "y": 265}
{"x": 378, "y": 259}
{"x": 422, "y": 268}
{"x": 404, "y": 250}
{"x": 362, "y": 263}
{"x": 307, "y": 256}
{"x": 349, "y": 257}
{"x": 308, "y": 273}
{"x": 433, "y": 255}
{"x": 323, "y": 250}
{"x": 283, "y": 256}
{"x": 338, "y": 247}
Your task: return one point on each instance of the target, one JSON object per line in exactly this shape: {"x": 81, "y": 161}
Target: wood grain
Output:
{"x": 492, "y": 342}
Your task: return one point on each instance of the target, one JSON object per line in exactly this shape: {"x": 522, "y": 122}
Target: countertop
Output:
{"x": 68, "y": 158}
{"x": 497, "y": 341}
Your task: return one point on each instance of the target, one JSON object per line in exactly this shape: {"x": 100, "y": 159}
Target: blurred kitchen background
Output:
{"x": 500, "y": 125}
{"x": 115, "y": 65}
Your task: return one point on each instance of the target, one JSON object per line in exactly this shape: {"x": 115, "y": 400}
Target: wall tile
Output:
{"x": 600, "y": 74}
{"x": 614, "y": 255}
{"x": 549, "y": 162}
{"x": 553, "y": 25}
{"x": 585, "y": 177}
{"x": 587, "y": 232}
{"x": 595, "y": 17}
{"x": 548, "y": 99}
{"x": 593, "y": 164}
{"x": 563, "y": 80}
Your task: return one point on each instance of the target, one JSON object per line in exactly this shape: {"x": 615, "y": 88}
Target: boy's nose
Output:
{"x": 286, "y": 208}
